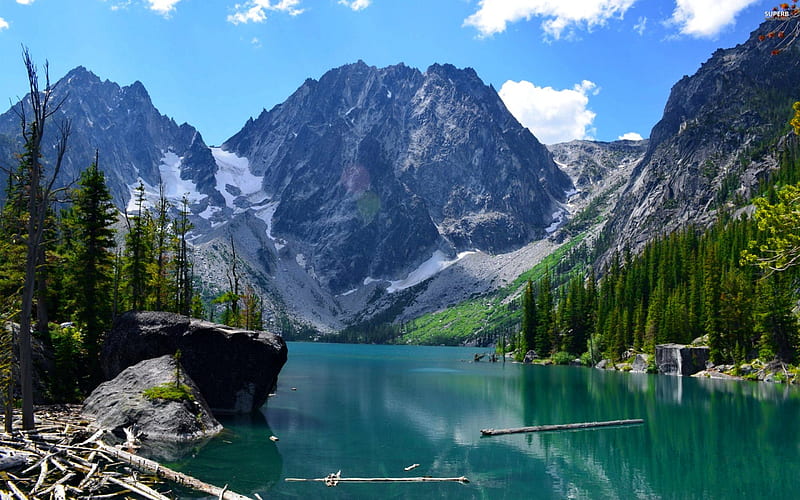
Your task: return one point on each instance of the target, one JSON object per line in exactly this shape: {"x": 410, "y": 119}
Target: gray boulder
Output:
{"x": 120, "y": 403}
{"x": 604, "y": 364}
{"x": 530, "y": 356}
{"x": 235, "y": 369}
{"x": 681, "y": 360}
{"x": 640, "y": 363}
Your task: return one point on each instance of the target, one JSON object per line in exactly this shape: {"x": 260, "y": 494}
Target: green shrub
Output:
{"x": 586, "y": 359}
{"x": 169, "y": 392}
{"x": 562, "y": 358}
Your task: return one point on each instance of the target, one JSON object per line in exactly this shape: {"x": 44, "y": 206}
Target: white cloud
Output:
{"x": 3, "y": 24}
{"x": 493, "y": 15}
{"x": 163, "y": 7}
{"x": 25, "y": 2}
{"x": 706, "y": 18}
{"x": 552, "y": 115}
{"x": 255, "y": 11}
{"x": 255, "y": 42}
{"x": 640, "y": 26}
{"x": 630, "y": 136}
{"x": 356, "y": 4}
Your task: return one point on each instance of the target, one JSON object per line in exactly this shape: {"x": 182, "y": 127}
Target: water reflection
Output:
{"x": 242, "y": 456}
{"x": 372, "y": 410}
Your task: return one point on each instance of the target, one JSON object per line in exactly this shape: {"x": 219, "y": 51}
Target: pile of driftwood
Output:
{"x": 65, "y": 457}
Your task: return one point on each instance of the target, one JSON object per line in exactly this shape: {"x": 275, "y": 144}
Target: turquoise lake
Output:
{"x": 370, "y": 411}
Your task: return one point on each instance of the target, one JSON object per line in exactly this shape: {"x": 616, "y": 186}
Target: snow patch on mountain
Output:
{"x": 234, "y": 179}
{"x": 176, "y": 188}
{"x": 437, "y": 263}
{"x": 266, "y": 213}
{"x": 558, "y": 218}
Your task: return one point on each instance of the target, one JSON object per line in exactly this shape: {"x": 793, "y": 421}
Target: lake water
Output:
{"x": 370, "y": 411}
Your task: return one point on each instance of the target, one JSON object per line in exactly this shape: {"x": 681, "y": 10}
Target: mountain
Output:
{"x": 362, "y": 184}
{"x": 370, "y": 170}
{"x": 134, "y": 140}
{"x": 712, "y": 142}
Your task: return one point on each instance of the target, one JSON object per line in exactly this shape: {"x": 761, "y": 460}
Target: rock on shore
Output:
{"x": 120, "y": 403}
{"x": 234, "y": 369}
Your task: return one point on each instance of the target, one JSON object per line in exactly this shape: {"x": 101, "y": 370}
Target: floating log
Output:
{"x": 334, "y": 479}
{"x": 169, "y": 474}
{"x": 561, "y": 427}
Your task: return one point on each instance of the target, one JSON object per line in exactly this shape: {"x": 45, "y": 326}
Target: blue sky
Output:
{"x": 567, "y": 69}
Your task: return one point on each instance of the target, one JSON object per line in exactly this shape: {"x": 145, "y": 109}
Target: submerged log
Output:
{"x": 169, "y": 474}
{"x": 334, "y": 479}
{"x": 561, "y": 427}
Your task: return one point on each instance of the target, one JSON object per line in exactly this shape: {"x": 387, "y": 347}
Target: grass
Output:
{"x": 479, "y": 316}
{"x": 169, "y": 392}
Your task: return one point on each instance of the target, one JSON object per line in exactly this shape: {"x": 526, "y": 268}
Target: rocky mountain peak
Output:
{"x": 381, "y": 166}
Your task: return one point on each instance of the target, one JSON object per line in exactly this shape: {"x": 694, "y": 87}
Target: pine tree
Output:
{"x": 160, "y": 240}
{"x": 545, "y": 320}
{"x": 711, "y": 306}
{"x": 40, "y": 193}
{"x": 182, "y": 284}
{"x": 775, "y": 324}
{"x": 138, "y": 258}
{"x": 528, "y": 318}
{"x": 89, "y": 273}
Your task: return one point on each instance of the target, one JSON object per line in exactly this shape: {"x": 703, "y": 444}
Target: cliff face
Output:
{"x": 371, "y": 170}
{"x": 710, "y": 143}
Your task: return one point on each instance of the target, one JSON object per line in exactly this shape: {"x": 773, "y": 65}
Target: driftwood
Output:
{"x": 335, "y": 479}
{"x": 561, "y": 427}
{"x": 62, "y": 462}
{"x": 169, "y": 474}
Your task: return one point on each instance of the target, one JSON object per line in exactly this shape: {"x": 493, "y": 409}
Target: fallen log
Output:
{"x": 561, "y": 427}
{"x": 334, "y": 479}
{"x": 169, "y": 474}
{"x": 139, "y": 488}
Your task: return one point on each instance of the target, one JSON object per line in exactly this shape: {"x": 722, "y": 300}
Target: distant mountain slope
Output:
{"x": 700, "y": 155}
{"x": 133, "y": 138}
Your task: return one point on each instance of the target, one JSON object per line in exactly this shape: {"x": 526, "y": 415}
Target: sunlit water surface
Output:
{"x": 370, "y": 411}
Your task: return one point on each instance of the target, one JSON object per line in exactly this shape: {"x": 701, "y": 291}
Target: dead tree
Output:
{"x": 40, "y": 193}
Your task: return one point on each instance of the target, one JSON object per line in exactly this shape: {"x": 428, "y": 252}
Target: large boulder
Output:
{"x": 640, "y": 363}
{"x": 235, "y": 369}
{"x": 681, "y": 360}
{"x": 121, "y": 403}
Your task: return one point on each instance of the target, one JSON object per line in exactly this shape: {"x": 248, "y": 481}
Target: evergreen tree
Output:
{"x": 160, "y": 237}
{"x": 528, "y": 318}
{"x": 711, "y": 307}
{"x": 182, "y": 283}
{"x": 545, "y": 320}
{"x": 89, "y": 273}
{"x": 136, "y": 267}
{"x": 775, "y": 324}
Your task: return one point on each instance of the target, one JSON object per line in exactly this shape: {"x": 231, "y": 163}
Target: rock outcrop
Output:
{"x": 234, "y": 369}
{"x": 712, "y": 142}
{"x": 640, "y": 363}
{"x": 121, "y": 403}
{"x": 678, "y": 359}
